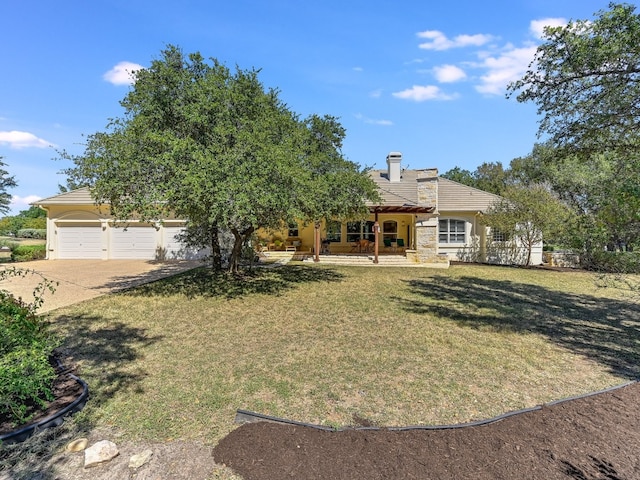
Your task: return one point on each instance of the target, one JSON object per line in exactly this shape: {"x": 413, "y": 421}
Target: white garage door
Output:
{"x": 80, "y": 242}
{"x": 174, "y": 249}
{"x": 134, "y": 242}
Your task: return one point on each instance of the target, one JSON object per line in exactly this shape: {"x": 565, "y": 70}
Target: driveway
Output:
{"x": 80, "y": 280}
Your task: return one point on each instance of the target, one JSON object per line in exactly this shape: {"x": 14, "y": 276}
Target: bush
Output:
{"x": 612, "y": 262}
{"x": 39, "y": 233}
{"x": 26, "y": 373}
{"x": 26, "y": 253}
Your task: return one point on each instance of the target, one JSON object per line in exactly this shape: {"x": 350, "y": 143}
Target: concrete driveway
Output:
{"x": 80, "y": 280}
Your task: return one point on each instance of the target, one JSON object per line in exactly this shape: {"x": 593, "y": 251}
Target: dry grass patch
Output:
{"x": 338, "y": 346}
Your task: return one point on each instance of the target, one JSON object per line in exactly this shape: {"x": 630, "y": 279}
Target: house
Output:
{"x": 436, "y": 221}
{"x": 78, "y": 229}
{"x": 428, "y": 219}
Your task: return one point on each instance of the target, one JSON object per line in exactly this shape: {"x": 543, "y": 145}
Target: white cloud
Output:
{"x": 439, "y": 41}
{"x": 507, "y": 67}
{"x": 371, "y": 121}
{"x": 376, "y": 93}
{"x": 17, "y": 140}
{"x": 122, "y": 73}
{"x": 449, "y": 73}
{"x": 537, "y": 26}
{"x": 22, "y": 203}
{"x": 421, "y": 93}
{"x": 358, "y": 69}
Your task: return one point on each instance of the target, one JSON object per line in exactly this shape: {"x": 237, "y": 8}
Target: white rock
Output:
{"x": 100, "y": 452}
{"x": 138, "y": 460}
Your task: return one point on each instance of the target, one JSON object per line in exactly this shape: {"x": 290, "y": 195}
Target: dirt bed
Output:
{"x": 592, "y": 438}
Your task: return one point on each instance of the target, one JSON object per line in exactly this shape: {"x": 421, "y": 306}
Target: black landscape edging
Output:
{"x": 246, "y": 416}
{"x": 54, "y": 420}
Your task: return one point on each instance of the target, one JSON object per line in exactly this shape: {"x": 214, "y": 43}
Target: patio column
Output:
{"x": 316, "y": 242}
{"x": 376, "y": 242}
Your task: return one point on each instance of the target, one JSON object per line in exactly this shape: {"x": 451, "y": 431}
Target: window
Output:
{"x": 293, "y": 230}
{"x": 498, "y": 236}
{"x": 390, "y": 229}
{"x": 334, "y": 231}
{"x": 360, "y": 231}
{"x": 452, "y": 231}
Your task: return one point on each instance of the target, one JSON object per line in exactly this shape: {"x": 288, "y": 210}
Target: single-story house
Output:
{"x": 78, "y": 229}
{"x": 429, "y": 219}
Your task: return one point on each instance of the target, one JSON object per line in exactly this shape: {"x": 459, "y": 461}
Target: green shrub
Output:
{"x": 26, "y": 373}
{"x": 39, "y": 233}
{"x": 26, "y": 253}
{"x": 612, "y": 262}
{"x": 8, "y": 243}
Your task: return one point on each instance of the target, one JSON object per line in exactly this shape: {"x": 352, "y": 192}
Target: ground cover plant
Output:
{"x": 343, "y": 346}
{"x": 26, "y": 345}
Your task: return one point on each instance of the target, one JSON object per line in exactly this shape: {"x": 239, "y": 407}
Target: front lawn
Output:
{"x": 344, "y": 345}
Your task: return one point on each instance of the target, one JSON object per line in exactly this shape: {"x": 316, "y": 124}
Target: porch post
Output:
{"x": 376, "y": 229}
{"x": 316, "y": 242}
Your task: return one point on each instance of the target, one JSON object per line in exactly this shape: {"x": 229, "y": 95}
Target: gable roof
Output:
{"x": 81, "y": 196}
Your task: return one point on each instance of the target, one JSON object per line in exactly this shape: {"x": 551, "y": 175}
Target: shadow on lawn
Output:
{"x": 204, "y": 282}
{"x": 107, "y": 352}
{"x": 605, "y": 330}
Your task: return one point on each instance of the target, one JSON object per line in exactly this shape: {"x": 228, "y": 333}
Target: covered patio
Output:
{"x": 390, "y": 230}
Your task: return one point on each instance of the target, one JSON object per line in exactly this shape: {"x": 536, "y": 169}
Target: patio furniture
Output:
{"x": 387, "y": 243}
{"x": 400, "y": 244}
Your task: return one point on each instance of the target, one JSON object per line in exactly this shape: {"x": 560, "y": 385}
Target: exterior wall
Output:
{"x": 472, "y": 249}
{"x": 479, "y": 246}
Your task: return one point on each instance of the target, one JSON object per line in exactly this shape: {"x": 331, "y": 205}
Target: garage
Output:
{"x": 133, "y": 243}
{"x": 77, "y": 228}
{"x": 76, "y": 242}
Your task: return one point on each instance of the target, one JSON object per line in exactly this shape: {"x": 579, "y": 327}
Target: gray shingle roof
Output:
{"x": 81, "y": 196}
{"x": 454, "y": 196}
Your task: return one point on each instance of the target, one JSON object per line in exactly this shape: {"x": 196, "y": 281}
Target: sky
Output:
{"x": 424, "y": 78}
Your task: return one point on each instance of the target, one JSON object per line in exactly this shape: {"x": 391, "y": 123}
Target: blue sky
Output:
{"x": 424, "y": 78}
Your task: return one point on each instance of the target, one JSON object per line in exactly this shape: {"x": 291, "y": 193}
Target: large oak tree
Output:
{"x": 214, "y": 147}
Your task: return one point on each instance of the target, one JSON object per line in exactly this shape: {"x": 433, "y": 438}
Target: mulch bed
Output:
{"x": 590, "y": 438}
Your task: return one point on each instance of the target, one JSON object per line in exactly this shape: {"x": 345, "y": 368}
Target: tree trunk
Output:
{"x": 238, "y": 242}
{"x": 216, "y": 255}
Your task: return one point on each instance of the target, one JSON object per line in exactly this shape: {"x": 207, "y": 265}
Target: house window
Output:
{"x": 334, "y": 231}
{"x": 498, "y": 236}
{"x": 293, "y": 230}
{"x": 390, "y": 229}
{"x": 452, "y": 231}
{"x": 360, "y": 231}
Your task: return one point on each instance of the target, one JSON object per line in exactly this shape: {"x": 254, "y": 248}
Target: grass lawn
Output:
{"x": 340, "y": 345}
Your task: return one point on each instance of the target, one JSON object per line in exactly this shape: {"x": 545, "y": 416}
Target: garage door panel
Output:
{"x": 80, "y": 242}
{"x": 174, "y": 249}
{"x": 133, "y": 243}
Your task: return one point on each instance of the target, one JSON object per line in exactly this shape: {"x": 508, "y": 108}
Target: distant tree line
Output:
{"x": 585, "y": 81}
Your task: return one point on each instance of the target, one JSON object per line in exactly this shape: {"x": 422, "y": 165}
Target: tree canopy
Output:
{"x": 585, "y": 80}
{"x": 489, "y": 176}
{"x": 216, "y": 148}
{"x": 6, "y": 182}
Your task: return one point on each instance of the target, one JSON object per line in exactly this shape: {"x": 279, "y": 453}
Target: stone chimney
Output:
{"x": 428, "y": 188}
{"x": 393, "y": 163}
